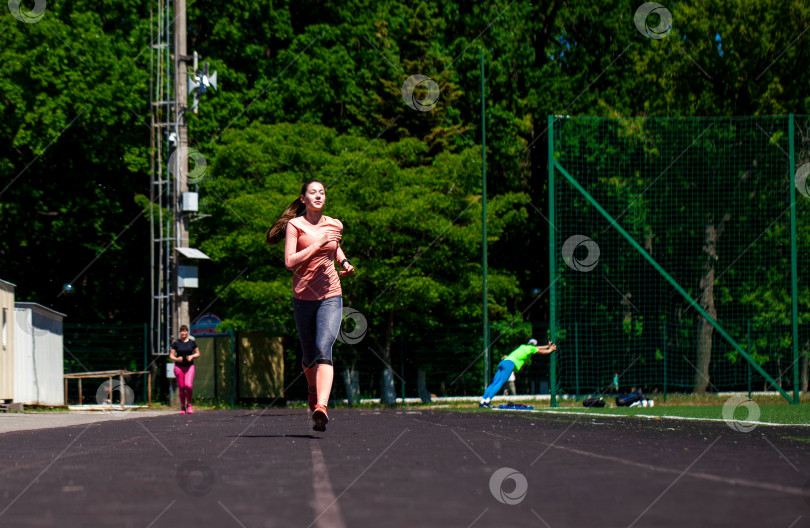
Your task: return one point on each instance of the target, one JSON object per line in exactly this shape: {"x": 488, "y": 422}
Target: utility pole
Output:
{"x": 181, "y": 310}
{"x": 174, "y": 267}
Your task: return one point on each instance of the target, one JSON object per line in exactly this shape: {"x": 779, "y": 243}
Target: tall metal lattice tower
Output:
{"x": 164, "y": 137}
{"x": 173, "y": 269}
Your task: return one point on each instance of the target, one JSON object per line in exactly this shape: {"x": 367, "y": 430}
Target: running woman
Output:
{"x": 184, "y": 350}
{"x": 311, "y": 249}
{"x": 513, "y": 362}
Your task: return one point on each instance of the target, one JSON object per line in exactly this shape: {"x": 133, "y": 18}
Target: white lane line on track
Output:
{"x": 663, "y": 417}
{"x": 326, "y": 506}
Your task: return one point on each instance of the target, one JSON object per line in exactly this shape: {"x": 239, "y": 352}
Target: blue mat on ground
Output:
{"x": 515, "y": 406}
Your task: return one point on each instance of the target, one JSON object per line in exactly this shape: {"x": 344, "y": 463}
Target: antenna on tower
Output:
{"x": 199, "y": 82}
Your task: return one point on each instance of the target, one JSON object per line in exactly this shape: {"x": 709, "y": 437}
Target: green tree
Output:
{"x": 412, "y": 229}
{"x": 73, "y": 155}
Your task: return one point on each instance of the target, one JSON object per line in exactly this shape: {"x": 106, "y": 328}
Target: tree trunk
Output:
{"x": 705, "y": 329}
{"x": 387, "y": 389}
{"x": 627, "y": 326}
{"x": 389, "y": 334}
{"x": 779, "y": 370}
{"x": 805, "y": 361}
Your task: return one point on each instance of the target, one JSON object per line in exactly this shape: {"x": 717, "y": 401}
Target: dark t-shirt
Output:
{"x": 183, "y": 350}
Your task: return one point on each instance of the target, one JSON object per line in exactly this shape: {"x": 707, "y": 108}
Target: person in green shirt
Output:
{"x": 513, "y": 362}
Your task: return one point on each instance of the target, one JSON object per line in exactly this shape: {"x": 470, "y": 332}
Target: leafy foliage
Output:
{"x": 313, "y": 89}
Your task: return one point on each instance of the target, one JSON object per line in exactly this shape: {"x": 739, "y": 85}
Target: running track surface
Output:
{"x": 409, "y": 468}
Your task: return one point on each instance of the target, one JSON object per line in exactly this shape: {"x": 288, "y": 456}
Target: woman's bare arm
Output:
{"x": 293, "y": 259}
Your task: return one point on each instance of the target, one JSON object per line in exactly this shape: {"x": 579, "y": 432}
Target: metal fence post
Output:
{"x": 552, "y": 330}
{"x": 664, "y": 354}
{"x": 576, "y": 355}
{"x": 233, "y": 368}
{"x": 146, "y": 357}
{"x": 793, "y": 263}
{"x": 748, "y": 349}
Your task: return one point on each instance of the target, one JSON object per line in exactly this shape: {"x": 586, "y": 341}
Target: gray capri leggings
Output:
{"x": 318, "y": 324}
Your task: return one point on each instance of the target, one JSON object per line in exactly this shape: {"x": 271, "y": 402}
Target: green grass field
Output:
{"x": 772, "y": 409}
{"x": 772, "y": 413}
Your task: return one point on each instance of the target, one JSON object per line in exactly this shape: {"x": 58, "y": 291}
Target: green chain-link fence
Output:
{"x": 677, "y": 251}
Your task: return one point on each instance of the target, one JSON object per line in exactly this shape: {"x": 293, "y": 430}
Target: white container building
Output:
{"x": 38, "y": 355}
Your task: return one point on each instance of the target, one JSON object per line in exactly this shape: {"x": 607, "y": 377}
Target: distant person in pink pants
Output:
{"x": 184, "y": 350}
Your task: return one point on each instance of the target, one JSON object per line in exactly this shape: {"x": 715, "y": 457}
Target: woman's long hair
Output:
{"x": 296, "y": 208}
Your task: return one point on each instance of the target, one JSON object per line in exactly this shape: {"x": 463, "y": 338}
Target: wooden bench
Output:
{"x": 109, "y": 374}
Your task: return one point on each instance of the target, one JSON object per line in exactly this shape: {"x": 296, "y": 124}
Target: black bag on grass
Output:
{"x": 593, "y": 402}
{"x": 626, "y": 400}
